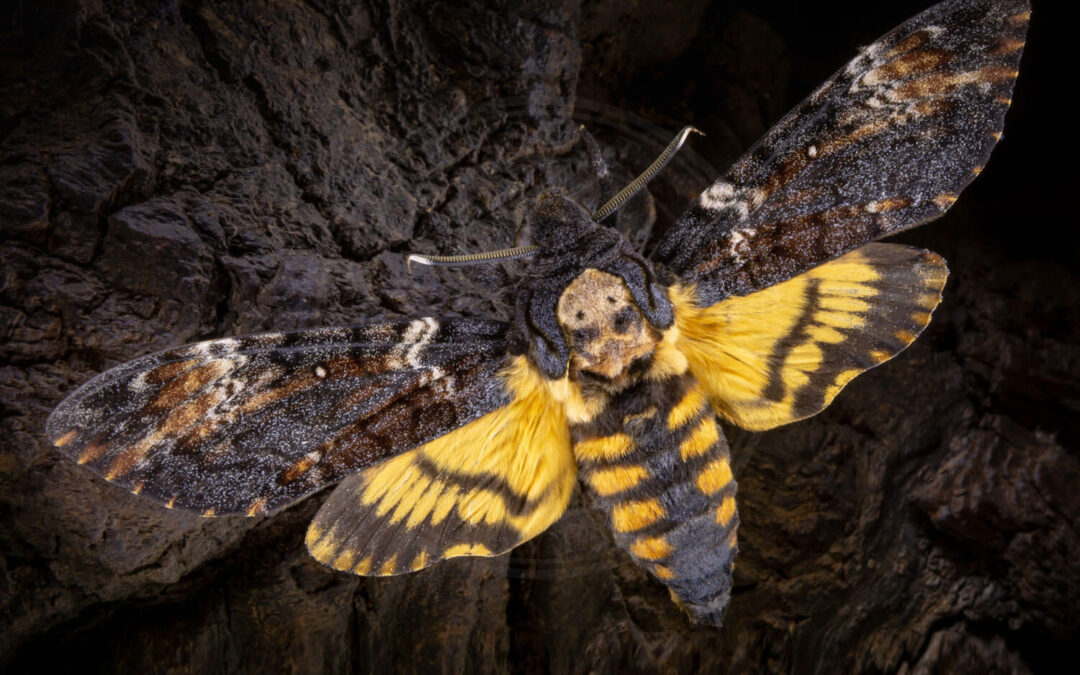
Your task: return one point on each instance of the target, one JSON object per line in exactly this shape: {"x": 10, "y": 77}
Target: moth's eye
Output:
{"x": 611, "y": 299}
{"x": 580, "y": 316}
{"x": 625, "y": 320}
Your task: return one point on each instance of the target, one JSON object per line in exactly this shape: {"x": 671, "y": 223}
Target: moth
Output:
{"x": 467, "y": 437}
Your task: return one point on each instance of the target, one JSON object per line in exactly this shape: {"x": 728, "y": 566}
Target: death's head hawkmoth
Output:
{"x": 466, "y": 437}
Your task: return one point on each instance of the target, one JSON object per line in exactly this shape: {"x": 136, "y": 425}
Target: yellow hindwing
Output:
{"x": 783, "y": 353}
{"x": 477, "y": 491}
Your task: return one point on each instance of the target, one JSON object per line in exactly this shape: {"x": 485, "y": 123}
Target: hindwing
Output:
{"x": 783, "y": 353}
{"x": 885, "y": 144}
{"x": 480, "y": 490}
{"x": 250, "y": 424}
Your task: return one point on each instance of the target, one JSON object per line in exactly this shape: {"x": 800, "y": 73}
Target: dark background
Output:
{"x": 176, "y": 171}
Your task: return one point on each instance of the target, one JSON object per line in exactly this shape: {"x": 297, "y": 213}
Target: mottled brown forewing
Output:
{"x": 885, "y": 144}
{"x": 250, "y": 424}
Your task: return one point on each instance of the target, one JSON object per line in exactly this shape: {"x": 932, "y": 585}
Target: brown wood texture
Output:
{"x": 179, "y": 170}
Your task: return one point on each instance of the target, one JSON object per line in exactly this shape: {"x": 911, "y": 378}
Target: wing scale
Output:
{"x": 887, "y": 143}
{"x": 783, "y": 353}
{"x": 251, "y": 424}
{"x": 478, "y": 491}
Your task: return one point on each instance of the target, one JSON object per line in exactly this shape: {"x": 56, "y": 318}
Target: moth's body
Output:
{"x": 466, "y": 437}
{"x": 657, "y": 464}
{"x": 655, "y": 461}
{"x": 641, "y": 371}
{"x": 647, "y": 444}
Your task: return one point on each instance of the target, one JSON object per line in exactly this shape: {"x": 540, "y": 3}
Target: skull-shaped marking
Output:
{"x": 606, "y": 331}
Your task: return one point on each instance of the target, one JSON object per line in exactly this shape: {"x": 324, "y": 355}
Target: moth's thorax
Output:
{"x": 565, "y": 323}
{"x": 559, "y": 222}
{"x": 606, "y": 332}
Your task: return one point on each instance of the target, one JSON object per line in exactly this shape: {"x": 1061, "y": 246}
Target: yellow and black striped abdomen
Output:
{"x": 656, "y": 462}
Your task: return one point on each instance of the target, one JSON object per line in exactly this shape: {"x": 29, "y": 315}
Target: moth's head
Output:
{"x": 609, "y": 337}
{"x": 564, "y": 316}
{"x": 558, "y": 222}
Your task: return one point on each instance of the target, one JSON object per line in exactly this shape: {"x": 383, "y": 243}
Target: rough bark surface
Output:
{"x": 175, "y": 170}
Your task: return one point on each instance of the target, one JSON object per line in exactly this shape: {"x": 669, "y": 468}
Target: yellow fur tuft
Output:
{"x": 667, "y": 360}
{"x": 635, "y": 515}
{"x": 651, "y": 548}
{"x": 576, "y": 408}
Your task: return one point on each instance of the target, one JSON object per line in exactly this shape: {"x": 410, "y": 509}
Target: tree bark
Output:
{"x": 173, "y": 171}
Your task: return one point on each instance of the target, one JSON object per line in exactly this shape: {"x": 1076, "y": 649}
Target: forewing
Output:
{"x": 783, "y": 353}
{"x": 477, "y": 491}
{"x": 251, "y": 424}
{"x": 887, "y": 143}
